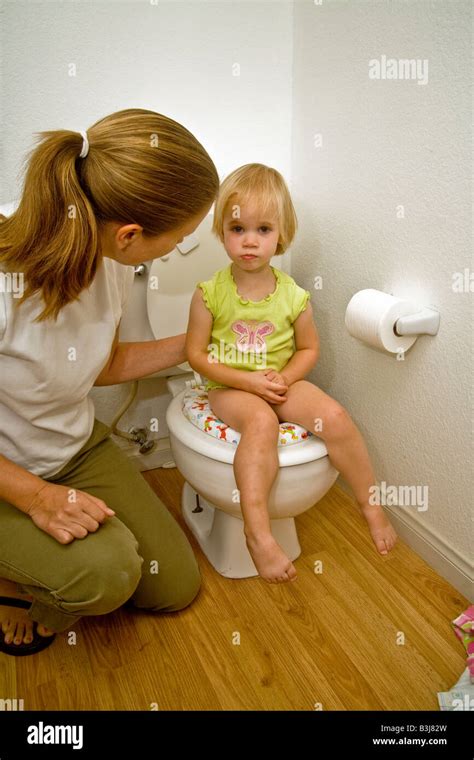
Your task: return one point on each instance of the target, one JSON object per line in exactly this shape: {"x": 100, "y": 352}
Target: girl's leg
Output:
{"x": 306, "y": 403}
{"x": 255, "y": 469}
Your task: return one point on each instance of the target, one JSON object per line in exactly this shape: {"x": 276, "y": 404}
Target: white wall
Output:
{"x": 387, "y": 143}
{"x": 174, "y": 57}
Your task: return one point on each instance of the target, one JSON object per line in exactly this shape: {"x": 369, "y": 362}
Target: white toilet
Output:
{"x": 203, "y": 447}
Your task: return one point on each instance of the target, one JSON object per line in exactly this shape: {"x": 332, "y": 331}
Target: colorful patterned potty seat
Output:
{"x": 197, "y": 410}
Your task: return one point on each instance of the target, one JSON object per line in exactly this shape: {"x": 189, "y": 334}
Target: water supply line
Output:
{"x": 135, "y": 435}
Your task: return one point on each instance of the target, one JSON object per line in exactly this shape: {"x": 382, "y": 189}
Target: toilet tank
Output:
{"x": 159, "y": 303}
{"x": 173, "y": 279}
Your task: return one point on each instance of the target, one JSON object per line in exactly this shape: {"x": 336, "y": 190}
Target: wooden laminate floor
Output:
{"x": 366, "y": 633}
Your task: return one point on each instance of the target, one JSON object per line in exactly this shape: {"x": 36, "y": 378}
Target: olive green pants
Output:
{"x": 140, "y": 554}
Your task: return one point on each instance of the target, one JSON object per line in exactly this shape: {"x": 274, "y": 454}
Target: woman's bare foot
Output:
{"x": 270, "y": 560}
{"x": 16, "y": 626}
{"x": 382, "y": 531}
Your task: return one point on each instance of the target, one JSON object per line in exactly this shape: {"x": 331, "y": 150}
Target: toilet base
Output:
{"x": 222, "y": 539}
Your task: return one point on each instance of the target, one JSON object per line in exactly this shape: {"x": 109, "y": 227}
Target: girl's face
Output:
{"x": 252, "y": 239}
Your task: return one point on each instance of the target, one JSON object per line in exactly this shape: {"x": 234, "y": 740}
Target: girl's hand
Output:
{"x": 66, "y": 513}
{"x": 275, "y": 377}
{"x": 259, "y": 383}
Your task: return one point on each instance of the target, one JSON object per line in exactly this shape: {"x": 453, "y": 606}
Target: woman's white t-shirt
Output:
{"x": 48, "y": 368}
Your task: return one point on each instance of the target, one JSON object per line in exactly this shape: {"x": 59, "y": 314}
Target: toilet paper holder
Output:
{"x": 424, "y": 322}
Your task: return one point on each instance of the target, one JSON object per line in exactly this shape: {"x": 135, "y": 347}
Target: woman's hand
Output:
{"x": 66, "y": 513}
{"x": 267, "y": 384}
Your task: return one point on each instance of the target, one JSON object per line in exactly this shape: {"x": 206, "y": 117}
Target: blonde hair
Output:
{"x": 265, "y": 187}
{"x": 142, "y": 167}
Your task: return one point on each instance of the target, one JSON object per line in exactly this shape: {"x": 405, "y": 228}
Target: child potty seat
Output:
{"x": 197, "y": 410}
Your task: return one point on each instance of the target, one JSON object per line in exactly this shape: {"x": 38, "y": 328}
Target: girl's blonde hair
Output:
{"x": 264, "y": 186}
{"x": 142, "y": 167}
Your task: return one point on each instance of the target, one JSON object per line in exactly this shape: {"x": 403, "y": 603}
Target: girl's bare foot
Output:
{"x": 270, "y": 560}
{"x": 16, "y": 626}
{"x": 382, "y": 531}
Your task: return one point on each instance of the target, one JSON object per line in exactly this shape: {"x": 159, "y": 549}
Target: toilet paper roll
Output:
{"x": 371, "y": 316}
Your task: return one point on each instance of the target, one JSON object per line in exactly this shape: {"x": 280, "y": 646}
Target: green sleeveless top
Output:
{"x": 252, "y": 335}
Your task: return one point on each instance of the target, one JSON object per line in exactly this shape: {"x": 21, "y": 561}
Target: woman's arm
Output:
{"x": 307, "y": 348}
{"x": 132, "y": 361}
{"x": 17, "y": 485}
{"x": 197, "y": 341}
{"x": 50, "y": 505}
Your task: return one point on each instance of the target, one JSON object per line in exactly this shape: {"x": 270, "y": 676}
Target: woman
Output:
{"x": 81, "y": 530}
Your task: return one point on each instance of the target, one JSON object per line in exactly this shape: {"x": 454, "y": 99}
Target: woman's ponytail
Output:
{"x": 141, "y": 167}
{"x": 52, "y": 237}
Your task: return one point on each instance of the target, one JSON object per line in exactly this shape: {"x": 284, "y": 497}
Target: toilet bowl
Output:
{"x": 210, "y": 498}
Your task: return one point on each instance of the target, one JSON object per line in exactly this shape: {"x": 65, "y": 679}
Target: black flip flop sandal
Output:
{"x": 38, "y": 643}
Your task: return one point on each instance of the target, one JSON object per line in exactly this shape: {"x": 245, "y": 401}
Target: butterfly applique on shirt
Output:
{"x": 252, "y": 335}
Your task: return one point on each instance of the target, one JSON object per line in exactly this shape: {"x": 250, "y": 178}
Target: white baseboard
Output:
{"x": 444, "y": 560}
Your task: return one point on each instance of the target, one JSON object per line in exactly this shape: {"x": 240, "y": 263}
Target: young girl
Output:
{"x": 260, "y": 322}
